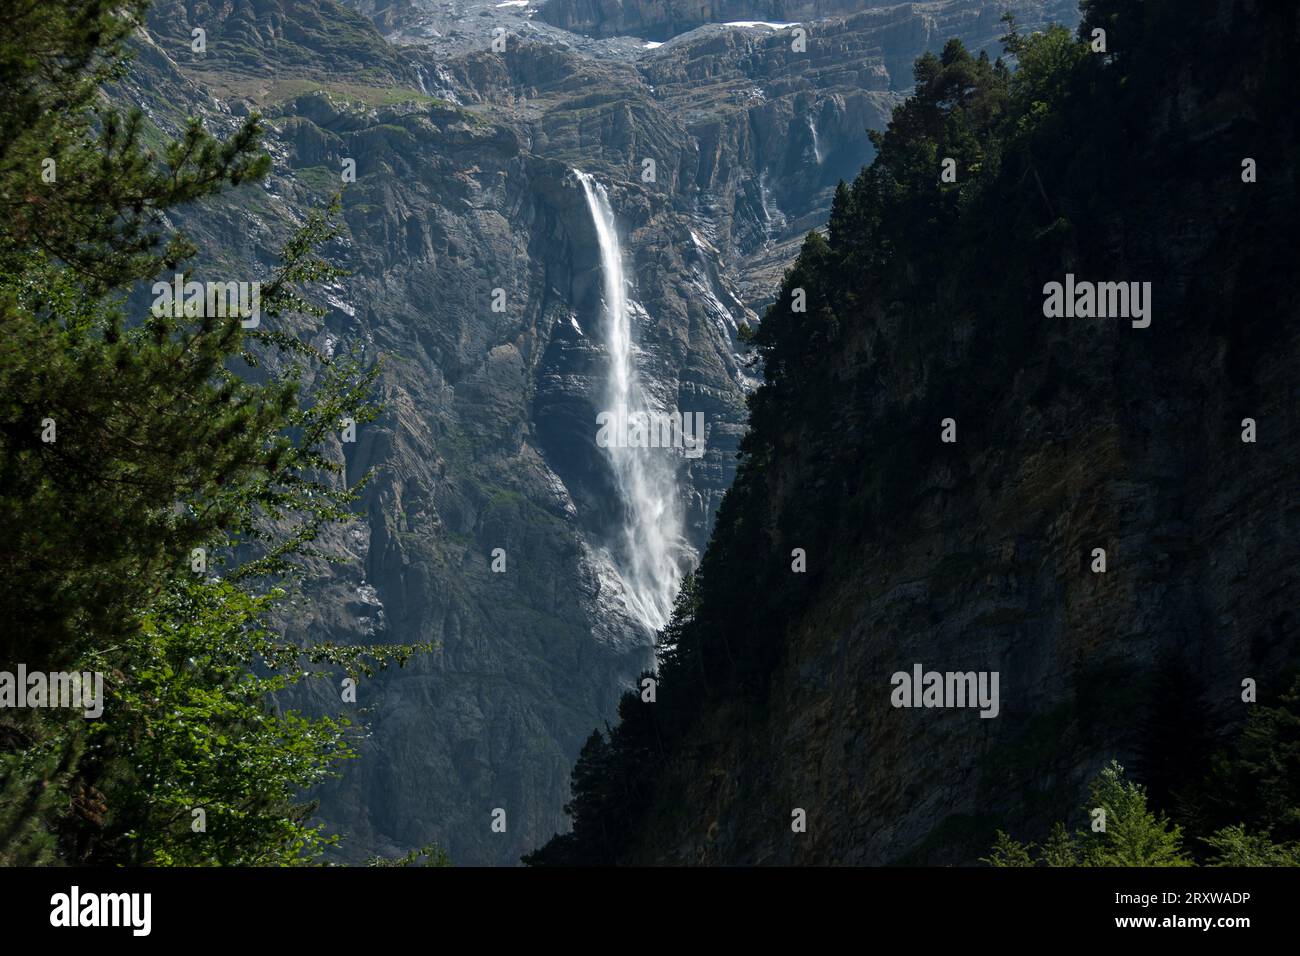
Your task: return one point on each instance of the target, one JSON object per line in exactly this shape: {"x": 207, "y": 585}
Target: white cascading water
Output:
{"x": 649, "y": 557}
{"x": 817, "y": 145}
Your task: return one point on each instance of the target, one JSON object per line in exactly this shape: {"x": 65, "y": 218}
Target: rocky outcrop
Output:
{"x": 661, "y": 19}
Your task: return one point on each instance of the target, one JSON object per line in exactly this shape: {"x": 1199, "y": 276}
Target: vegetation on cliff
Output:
{"x": 1245, "y": 811}
{"x": 161, "y": 478}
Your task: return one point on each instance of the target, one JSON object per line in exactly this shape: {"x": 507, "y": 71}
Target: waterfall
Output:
{"x": 651, "y": 548}
{"x": 816, "y": 144}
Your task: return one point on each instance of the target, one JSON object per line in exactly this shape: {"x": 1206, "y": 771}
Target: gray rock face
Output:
{"x": 464, "y": 187}
{"x": 489, "y": 444}
{"x": 661, "y": 19}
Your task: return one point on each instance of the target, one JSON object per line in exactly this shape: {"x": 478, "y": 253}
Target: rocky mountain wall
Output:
{"x": 463, "y": 187}
{"x": 1091, "y": 434}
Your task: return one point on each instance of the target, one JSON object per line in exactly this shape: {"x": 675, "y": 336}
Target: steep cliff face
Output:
{"x": 486, "y": 409}
{"x": 661, "y": 19}
{"x": 1071, "y": 434}
{"x": 464, "y": 186}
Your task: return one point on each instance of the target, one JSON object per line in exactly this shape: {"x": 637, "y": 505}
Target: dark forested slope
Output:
{"x": 925, "y": 302}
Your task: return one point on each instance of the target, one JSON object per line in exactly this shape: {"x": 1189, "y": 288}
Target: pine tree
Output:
{"x": 1257, "y": 781}
{"x": 126, "y": 442}
{"x": 121, "y": 442}
{"x": 1133, "y": 835}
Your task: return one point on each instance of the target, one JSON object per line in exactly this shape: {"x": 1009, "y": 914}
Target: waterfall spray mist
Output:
{"x": 651, "y": 551}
